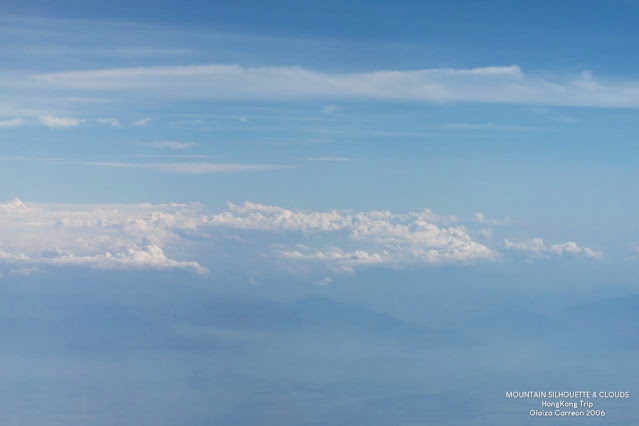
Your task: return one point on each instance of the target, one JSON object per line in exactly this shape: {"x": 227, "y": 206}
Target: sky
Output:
{"x": 309, "y": 213}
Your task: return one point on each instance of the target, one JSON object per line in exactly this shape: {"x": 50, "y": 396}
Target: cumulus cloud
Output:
{"x": 536, "y": 248}
{"x": 150, "y": 256}
{"x": 338, "y": 259}
{"x": 116, "y": 237}
{"x": 60, "y": 122}
{"x": 365, "y": 238}
{"x": 495, "y": 84}
{"x": 145, "y": 236}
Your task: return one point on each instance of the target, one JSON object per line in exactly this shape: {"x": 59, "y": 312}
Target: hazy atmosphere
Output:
{"x": 317, "y": 213}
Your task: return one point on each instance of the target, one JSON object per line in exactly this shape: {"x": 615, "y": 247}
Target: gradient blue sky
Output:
{"x": 239, "y": 210}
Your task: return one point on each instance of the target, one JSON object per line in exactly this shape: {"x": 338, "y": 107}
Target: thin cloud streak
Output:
{"x": 194, "y": 168}
{"x": 497, "y": 84}
{"x": 16, "y": 122}
{"x": 174, "y": 145}
{"x": 492, "y": 126}
{"x": 171, "y": 156}
{"x": 330, "y": 159}
{"x": 60, "y": 122}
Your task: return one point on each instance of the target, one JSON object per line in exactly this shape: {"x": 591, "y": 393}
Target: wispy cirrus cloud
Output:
{"x": 330, "y": 159}
{"x": 174, "y": 145}
{"x": 15, "y": 122}
{"x": 169, "y": 167}
{"x": 60, "y": 122}
{"x": 146, "y": 51}
{"x": 142, "y": 122}
{"x": 192, "y": 156}
{"x": 494, "y": 84}
{"x": 479, "y": 217}
{"x": 114, "y": 122}
{"x": 194, "y": 168}
{"x": 492, "y": 126}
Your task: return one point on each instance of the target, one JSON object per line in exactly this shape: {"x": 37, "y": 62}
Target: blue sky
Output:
{"x": 240, "y": 210}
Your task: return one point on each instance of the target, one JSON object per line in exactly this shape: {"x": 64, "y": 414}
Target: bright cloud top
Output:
{"x": 146, "y": 236}
{"x": 365, "y": 238}
{"x": 495, "y": 84}
{"x": 536, "y": 248}
{"x": 117, "y": 237}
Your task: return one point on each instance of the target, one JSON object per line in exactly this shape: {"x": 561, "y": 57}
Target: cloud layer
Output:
{"x": 193, "y": 168}
{"x": 495, "y": 84}
{"x": 150, "y": 236}
{"x": 118, "y": 237}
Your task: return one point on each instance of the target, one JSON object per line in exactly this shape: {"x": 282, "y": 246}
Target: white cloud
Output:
{"x": 491, "y": 126}
{"x": 338, "y": 259}
{"x": 106, "y": 236}
{"x": 16, "y": 122}
{"x": 109, "y": 121}
{"x": 145, "y": 236}
{"x": 479, "y": 217}
{"x": 537, "y": 249}
{"x": 60, "y": 122}
{"x": 150, "y": 256}
{"x": 191, "y": 156}
{"x": 324, "y": 281}
{"x": 194, "y": 168}
{"x": 171, "y": 145}
{"x": 334, "y": 159}
{"x": 15, "y": 204}
{"x": 142, "y": 123}
{"x": 145, "y": 51}
{"x": 366, "y": 238}
{"x": 507, "y": 84}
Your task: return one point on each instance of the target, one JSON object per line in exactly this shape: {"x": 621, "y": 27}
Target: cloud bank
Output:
{"x": 161, "y": 237}
{"x": 106, "y": 237}
{"x": 359, "y": 239}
